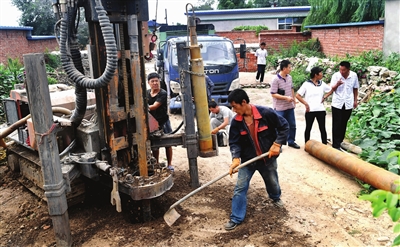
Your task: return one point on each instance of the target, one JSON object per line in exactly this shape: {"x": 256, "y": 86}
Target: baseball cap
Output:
{"x": 153, "y": 75}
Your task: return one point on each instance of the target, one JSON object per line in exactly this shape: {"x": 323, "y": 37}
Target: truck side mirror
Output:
{"x": 160, "y": 54}
{"x": 242, "y": 51}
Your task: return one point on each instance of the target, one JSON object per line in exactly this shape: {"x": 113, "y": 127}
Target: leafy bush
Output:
{"x": 374, "y": 127}
{"x": 299, "y": 76}
{"x": 310, "y": 48}
{"x": 52, "y": 61}
{"x": 384, "y": 200}
{"x": 258, "y": 28}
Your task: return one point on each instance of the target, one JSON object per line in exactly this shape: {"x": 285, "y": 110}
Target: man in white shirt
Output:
{"x": 261, "y": 55}
{"x": 220, "y": 117}
{"x": 345, "y": 93}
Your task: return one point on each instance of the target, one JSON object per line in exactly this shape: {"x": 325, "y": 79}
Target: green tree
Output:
{"x": 234, "y": 4}
{"x": 279, "y": 3}
{"x": 343, "y": 11}
{"x": 204, "y": 5}
{"x": 37, "y": 14}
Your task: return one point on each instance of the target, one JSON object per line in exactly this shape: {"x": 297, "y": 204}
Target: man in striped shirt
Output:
{"x": 283, "y": 99}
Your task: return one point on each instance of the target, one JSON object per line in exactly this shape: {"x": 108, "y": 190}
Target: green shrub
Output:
{"x": 258, "y": 28}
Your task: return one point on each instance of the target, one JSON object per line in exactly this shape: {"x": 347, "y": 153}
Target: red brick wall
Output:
{"x": 248, "y": 36}
{"x": 352, "y": 40}
{"x": 251, "y": 62}
{"x": 273, "y": 38}
{"x": 14, "y": 44}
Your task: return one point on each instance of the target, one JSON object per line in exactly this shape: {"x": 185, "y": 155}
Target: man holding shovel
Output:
{"x": 255, "y": 130}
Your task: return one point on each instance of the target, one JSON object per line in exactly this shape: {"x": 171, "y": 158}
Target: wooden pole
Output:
{"x": 42, "y": 117}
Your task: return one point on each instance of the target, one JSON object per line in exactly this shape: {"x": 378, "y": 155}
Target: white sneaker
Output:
{"x": 257, "y": 81}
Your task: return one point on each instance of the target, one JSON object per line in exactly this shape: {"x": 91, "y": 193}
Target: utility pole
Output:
{"x": 45, "y": 133}
{"x": 166, "y": 17}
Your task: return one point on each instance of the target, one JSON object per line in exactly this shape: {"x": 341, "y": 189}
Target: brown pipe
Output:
{"x": 370, "y": 174}
{"x": 22, "y": 121}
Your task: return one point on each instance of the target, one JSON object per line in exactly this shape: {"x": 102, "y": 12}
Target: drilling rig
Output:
{"x": 114, "y": 146}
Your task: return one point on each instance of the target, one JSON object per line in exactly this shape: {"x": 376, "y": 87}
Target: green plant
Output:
{"x": 299, "y": 75}
{"x": 374, "y": 127}
{"x": 382, "y": 201}
{"x": 53, "y": 61}
{"x": 15, "y": 68}
{"x": 258, "y": 28}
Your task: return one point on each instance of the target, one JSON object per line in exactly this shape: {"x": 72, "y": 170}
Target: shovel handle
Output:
{"x": 216, "y": 179}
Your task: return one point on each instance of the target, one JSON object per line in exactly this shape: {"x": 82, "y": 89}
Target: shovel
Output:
{"x": 172, "y": 215}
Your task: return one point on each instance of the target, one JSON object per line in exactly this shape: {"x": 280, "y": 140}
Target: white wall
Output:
{"x": 220, "y": 26}
{"x": 391, "y": 38}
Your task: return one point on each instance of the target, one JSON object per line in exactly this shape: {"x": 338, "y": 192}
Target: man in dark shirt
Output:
{"x": 157, "y": 100}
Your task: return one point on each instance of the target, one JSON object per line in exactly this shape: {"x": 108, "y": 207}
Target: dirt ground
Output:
{"x": 321, "y": 206}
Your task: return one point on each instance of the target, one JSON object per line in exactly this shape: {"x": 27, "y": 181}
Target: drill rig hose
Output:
{"x": 111, "y": 49}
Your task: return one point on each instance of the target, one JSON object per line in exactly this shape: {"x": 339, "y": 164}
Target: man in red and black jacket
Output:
{"x": 255, "y": 130}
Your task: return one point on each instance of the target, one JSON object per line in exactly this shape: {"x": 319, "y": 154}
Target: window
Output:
{"x": 286, "y": 23}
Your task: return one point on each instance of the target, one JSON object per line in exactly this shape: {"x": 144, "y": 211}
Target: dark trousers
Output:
{"x": 320, "y": 116}
{"x": 339, "y": 125}
{"x": 260, "y": 72}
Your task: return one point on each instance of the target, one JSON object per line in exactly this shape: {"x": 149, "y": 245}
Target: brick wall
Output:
{"x": 251, "y": 62}
{"x": 351, "y": 39}
{"x": 248, "y": 36}
{"x": 14, "y": 44}
{"x": 273, "y": 38}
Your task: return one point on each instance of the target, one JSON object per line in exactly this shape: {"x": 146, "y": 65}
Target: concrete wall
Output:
{"x": 391, "y": 40}
{"x": 353, "y": 40}
{"x": 14, "y": 43}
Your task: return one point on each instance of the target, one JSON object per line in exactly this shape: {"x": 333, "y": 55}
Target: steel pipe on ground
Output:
{"x": 371, "y": 174}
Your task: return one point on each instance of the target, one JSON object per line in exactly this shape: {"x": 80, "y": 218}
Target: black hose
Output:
{"x": 80, "y": 92}
{"x": 111, "y": 49}
{"x": 176, "y": 130}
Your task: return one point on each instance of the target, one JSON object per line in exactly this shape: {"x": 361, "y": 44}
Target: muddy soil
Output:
{"x": 321, "y": 206}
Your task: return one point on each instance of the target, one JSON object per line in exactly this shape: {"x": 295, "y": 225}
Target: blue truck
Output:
{"x": 219, "y": 59}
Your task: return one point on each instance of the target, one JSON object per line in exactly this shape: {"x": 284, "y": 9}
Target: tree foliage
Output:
{"x": 234, "y": 4}
{"x": 37, "y": 14}
{"x": 279, "y": 3}
{"x": 344, "y": 11}
{"x": 204, "y": 5}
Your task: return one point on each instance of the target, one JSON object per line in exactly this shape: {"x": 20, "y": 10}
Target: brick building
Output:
{"x": 16, "y": 41}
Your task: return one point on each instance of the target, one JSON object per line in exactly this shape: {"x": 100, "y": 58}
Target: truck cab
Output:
{"x": 220, "y": 64}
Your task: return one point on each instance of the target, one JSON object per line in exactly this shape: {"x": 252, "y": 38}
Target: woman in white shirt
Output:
{"x": 311, "y": 94}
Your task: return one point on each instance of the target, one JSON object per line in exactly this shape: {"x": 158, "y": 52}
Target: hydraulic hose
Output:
{"x": 80, "y": 91}
{"x": 178, "y": 128}
{"x": 111, "y": 50}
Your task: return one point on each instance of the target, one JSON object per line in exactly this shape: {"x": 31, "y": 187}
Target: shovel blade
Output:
{"x": 171, "y": 216}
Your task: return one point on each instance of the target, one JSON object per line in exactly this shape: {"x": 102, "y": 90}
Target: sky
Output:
{"x": 176, "y": 9}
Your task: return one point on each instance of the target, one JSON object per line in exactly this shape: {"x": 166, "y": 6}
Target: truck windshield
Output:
{"x": 214, "y": 53}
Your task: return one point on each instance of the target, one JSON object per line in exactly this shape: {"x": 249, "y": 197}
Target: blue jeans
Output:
{"x": 289, "y": 116}
{"x": 239, "y": 200}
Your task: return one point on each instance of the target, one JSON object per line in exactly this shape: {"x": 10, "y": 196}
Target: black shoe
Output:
{"x": 294, "y": 145}
{"x": 230, "y": 225}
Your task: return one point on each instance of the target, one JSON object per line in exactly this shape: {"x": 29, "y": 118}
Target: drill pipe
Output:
{"x": 199, "y": 91}
{"x": 370, "y": 174}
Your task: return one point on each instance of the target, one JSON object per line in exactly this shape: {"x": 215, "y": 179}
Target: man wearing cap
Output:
{"x": 311, "y": 94}
{"x": 157, "y": 100}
